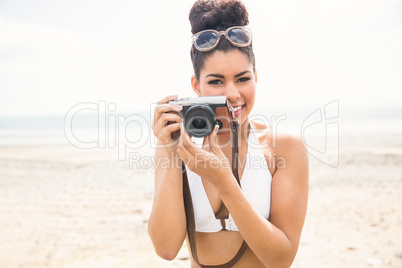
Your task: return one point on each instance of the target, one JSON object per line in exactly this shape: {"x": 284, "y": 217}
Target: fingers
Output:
{"x": 202, "y": 161}
{"x": 164, "y": 107}
{"x": 190, "y": 145}
{"x": 167, "y": 107}
{"x": 169, "y": 129}
{"x": 213, "y": 142}
{"x": 182, "y": 149}
{"x": 167, "y": 98}
{"x": 206, "y": 145}
{"x": 185, "y": 140}
{"x": 166, "y": 125}
{"x": 164, "y": 119}
{"x": 210, "y": 143}
{"x": 216, "y": 148}
{"x": 187, "y": 143}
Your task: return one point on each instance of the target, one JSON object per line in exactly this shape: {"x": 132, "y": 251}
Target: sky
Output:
{"x": 57, "y": 54}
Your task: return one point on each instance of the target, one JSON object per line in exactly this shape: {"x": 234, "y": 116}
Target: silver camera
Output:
{"x": 201, "y": 114}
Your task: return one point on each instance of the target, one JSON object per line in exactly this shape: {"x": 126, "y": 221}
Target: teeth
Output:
{"x": 237, "y": 108}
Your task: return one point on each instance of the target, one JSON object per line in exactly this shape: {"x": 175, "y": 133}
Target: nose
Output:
{"x": 232, "y": 93}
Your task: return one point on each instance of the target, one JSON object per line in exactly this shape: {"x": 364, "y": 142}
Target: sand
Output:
{"x": 68, "y": 207}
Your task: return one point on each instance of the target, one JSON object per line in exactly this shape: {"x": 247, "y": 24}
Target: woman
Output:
{"x": 267, "y": 212}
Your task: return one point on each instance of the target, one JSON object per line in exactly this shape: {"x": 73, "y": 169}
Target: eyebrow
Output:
{"x": 242, "y": 73}
{"x": 221, "y": 76}
{"x": 215, "y": 75}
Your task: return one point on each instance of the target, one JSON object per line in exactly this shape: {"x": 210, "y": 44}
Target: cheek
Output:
{"x": 206, "y": 92}
{"x": 249, "y": 94}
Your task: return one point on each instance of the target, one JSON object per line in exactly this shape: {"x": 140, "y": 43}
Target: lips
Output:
{"x": 238, "y": 109}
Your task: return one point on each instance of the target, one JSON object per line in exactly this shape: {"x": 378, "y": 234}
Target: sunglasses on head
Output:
{"x": 207, "y": 40}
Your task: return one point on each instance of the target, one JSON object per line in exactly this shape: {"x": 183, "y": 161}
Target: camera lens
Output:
{"x": 199, "y": 120}
{"x": 199, "y": 123}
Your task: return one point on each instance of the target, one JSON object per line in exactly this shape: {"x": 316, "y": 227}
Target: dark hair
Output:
{"x": 218, "y": 15}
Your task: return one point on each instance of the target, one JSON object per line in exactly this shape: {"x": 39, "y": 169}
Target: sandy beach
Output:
{"x": 68, "y": 207}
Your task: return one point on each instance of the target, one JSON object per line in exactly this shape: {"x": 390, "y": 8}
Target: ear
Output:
{"x": 196, "y": 85}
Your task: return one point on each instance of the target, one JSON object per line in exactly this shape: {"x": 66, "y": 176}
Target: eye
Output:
{"x": 215, "y": 82}
{"x": 243, "y": 79}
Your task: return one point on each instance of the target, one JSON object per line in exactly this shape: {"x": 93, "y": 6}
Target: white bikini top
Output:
{"x": 255, "y": 182}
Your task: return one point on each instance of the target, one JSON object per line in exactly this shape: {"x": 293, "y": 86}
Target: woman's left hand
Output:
{"x": 209, "y": 162}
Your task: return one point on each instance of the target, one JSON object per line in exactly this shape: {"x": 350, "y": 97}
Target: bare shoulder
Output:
{"x": 290, "y": 145}
{"x": 293, "y": 155}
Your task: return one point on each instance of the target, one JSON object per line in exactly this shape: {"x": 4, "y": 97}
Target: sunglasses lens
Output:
{"x": 207, "y": 40}
{"x": 239, "y": 36}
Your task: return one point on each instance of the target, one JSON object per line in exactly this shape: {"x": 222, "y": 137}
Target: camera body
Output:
{"x": 201, "y": 114}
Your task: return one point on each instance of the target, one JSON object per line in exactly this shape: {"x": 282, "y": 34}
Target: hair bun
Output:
{"x": 217, "y": 14}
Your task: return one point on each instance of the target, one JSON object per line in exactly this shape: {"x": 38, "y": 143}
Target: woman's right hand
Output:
{"x": 166, "y": 121}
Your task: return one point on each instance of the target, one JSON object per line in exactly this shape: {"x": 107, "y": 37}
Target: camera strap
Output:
{"x": 223, "y": 212}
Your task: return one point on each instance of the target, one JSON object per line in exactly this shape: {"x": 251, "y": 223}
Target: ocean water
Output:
{"x": 107, "y": 130}
{"x": 87, "y": 130}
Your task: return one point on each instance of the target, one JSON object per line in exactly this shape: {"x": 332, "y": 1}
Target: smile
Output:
{"x": 237, "y": 110}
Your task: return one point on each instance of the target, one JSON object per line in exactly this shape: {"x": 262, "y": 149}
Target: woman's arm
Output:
{"x": 167, "y": 222}
{"x": 274, "y": 242}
